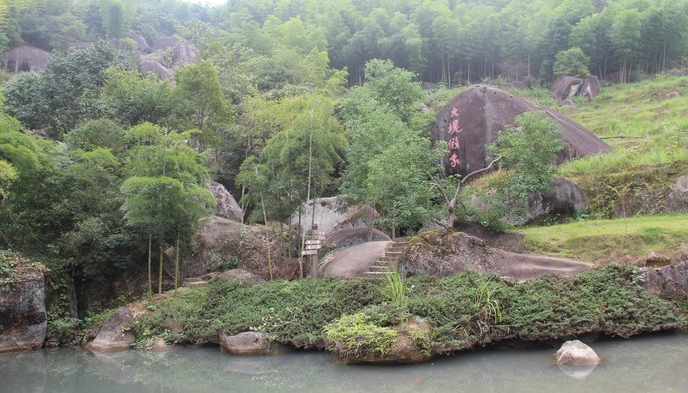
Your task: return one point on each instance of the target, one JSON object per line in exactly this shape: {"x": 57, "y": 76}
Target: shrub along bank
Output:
{"x": 468, "y": 310}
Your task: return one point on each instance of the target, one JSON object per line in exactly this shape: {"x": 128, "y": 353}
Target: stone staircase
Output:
{"x": 387, "y": 263}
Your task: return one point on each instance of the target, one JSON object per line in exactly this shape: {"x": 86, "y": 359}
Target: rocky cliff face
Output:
{"x": 23, "y": 320}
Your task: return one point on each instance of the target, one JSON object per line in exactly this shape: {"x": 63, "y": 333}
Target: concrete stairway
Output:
{"x": 388, "y": 261}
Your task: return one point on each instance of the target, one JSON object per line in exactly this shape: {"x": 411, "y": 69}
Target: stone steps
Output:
{"x": 387, "y": 263}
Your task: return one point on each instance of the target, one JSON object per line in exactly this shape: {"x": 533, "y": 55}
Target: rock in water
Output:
{"x": 23, "y": 320}
{"x": 473, "y": 118}
{"x": 251, "y": 344}
{"x": 114, "y": 335}
{"x": 576, "y": 359}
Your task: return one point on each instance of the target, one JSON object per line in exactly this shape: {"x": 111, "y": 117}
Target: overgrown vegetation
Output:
{"x": 604, "y": 241}
{"x": 465, "y": 310}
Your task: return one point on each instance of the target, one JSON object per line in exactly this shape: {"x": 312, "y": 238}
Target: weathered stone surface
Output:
{"x": 239, "y": 274}
{"x": 353, "y": 236}
{"x": 676, "y": 280}
{"x": 221, "y": 244}
{"x": 156, "y": 68}
{"x": 140, "y": 42}
{"x": 671, "y": 281}
{"x": 184, "y": 53}
{"x": 113, "y": 335}
{"x": 227, "y": 206}
{"x": 576, "y": 354}
{"x": 404, "y": 349}
{"x": 476, "y": 116}
{"x": 438, "y": 253}
{"x": 353, "y": 261}
{"x": 23, "y": 320}
{"x": 591, "y": 87}
{"x": 163, "y": 43}
{"x": 565, "y": 87}
{"x": 656, "y": 260}
{"x": 25, "y": 58}
{"x": 677, "y": 202}
{"x": 565, "y": 199}
{"x": 251, "y": 344}
{"x": 332, "y": 214}
{"x": 652, "y": 281}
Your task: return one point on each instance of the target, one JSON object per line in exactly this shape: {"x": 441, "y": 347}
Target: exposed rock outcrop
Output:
{"x": 667, "y": 281}
{"x": 227, "y": 206}
{"x": 473, "y": 118}
{"x": 576, "y": 359}
{"x": 677, "y": 202}
{"x": 353, "y": 261}
{"x": 114, "y": 335}
{"x": 251, "y": 344}
{"x": 353, "y": 236}
{"x": 332, "y": 214}
{"x": 156, "y": 68}
{"x": 565, "y": 87}
{"x": 440, "y": 253}
{"x": 23, "y": 319}
{"x": 141, "y": 42}
{"x": 222, "y": 244}
{"x": 25, "y": 58}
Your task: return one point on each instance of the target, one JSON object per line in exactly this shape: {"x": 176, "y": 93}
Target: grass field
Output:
{"x": 621, "y": 240}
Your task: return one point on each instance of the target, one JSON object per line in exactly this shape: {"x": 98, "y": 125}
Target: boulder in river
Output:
{"x": 114, "y": 335}
{"x": 576, "y": 359}
{"x": 251, "y": 344}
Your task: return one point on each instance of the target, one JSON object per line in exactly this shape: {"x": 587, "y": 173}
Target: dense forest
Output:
{"x": 286, "y": 100}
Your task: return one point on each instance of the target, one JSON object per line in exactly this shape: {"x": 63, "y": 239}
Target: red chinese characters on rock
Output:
{"x": 454, "y": 143}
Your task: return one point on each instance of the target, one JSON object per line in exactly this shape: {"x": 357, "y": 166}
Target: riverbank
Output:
{"x": 355, "y": 319}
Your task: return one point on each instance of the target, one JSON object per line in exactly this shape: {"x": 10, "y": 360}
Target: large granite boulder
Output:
{"x": 23, "y": 320}
{"x": 251, "y": 344}
{"x": 221, "y": 244}
{"x": 354, "y": 261}
{"x": 332, "y": 214}
{"x": 591, "y": 87}
{"x": 140, "y": 42}
{"x": 227, "y": 206}
{"x": 473, "y": 118}
{"x": 354, "y": 236}
{"x": 441, "y": 253}
{"x": 114, "y": 335}
{"x": 567, "y": 86}
{"x": 156, "y": 68}
{"x": 25, "y": 58}
{"x": 577, "y": 359}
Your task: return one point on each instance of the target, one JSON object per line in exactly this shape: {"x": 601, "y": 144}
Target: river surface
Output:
{"x": 642, "y": 364}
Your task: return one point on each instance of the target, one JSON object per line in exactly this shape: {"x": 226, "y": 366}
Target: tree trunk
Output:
{"x": 150, "y": 278}
{"x": 160, "y": 273}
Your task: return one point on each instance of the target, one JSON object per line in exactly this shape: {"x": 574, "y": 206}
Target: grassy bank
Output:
{"x": 465, "y": 310}
{"x": 604, "y": 241}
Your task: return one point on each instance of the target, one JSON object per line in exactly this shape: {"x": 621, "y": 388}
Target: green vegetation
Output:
{"x": 629, "y": 239}
{"x": 465, "y": 310}
{"x": 648, "y": 132}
